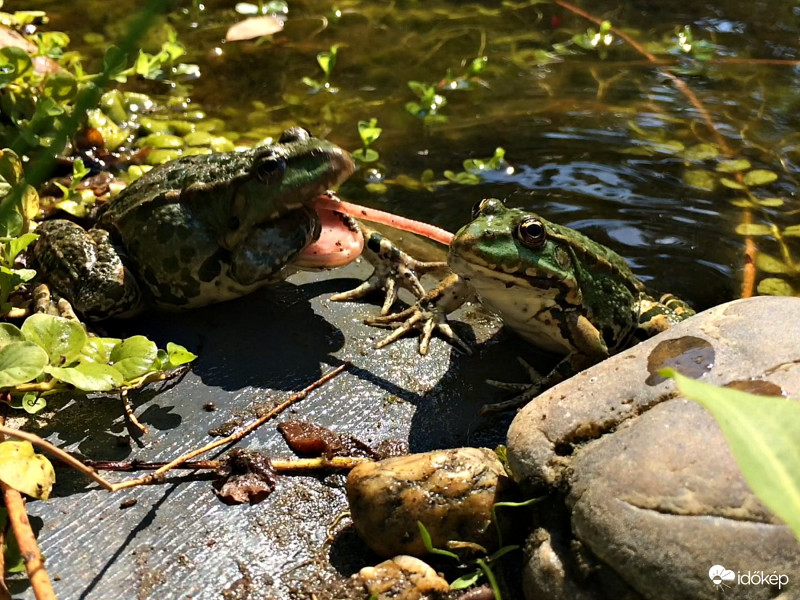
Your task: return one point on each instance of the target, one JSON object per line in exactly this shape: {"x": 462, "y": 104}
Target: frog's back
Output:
{"x": 166, "y": 183}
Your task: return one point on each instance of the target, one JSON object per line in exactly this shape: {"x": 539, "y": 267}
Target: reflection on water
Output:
{"x": 601, "y": 141}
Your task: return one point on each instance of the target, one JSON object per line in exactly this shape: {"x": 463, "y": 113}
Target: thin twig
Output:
{"x": 281, "y": 466}
{"x": 147, "y": 479}
{"x": 26, "y": 540}
{"x": 131, "y": 416}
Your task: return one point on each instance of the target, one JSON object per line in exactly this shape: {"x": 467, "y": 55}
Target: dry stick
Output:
{"x": 26, "y": 540}
{"x": 749, "y": 275}
{"x": 234, "y": 437}
{"x": 281, "y": 466}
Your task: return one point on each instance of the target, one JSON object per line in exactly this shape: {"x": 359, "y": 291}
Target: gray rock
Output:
{"x": 647, "y": 495}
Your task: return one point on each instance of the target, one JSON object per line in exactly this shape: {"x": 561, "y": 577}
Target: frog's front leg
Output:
{"x": 429, "y": 315}
{"x": 86, "y": 268}
{"x": 394, "y": 269}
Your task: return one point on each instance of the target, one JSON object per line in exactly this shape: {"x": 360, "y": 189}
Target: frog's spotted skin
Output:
{"x": 195, "y": 231}
{"x": 558, "y": 289}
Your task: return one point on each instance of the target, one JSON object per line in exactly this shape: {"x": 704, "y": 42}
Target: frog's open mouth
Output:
{"x": 339, "y": 243}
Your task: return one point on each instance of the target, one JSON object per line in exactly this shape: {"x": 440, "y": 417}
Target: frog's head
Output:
{"x": 295, "y": 170}
{"x": 278, "y": 178}
{"x": 512, "y": 248}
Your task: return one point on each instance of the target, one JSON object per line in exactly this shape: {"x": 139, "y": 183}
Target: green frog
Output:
{"x": 555, "y": 287}
{"x": 198, "y": 230}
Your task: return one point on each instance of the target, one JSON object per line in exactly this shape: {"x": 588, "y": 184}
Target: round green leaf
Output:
{"x": 701, "y": 152}
{"x": 730, "y": 183}
{"x": 89, "y": 377}
{"x": 33, "y": 403}
{"x": 61, "y": 338}
{"x": 774, "y": 286}
{"x": 25, "y": 471}
{"x": 733, "y": 165}
{"x": 14, "y": 62}
{"x": 20, "y": 362}
{"x": 753, "y": 229}
{"x": 98, "y": 350}
{"x": 759, "y": 177}
{"x": 792, "y": 231}
{"x": 134, "y": 356}
{"x": 701, "y": 179}
{"x": 770, "y": 264}
{"x": 771, "y": 202}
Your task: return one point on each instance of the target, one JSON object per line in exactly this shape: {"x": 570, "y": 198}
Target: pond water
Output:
{"x": 632, "y": 152}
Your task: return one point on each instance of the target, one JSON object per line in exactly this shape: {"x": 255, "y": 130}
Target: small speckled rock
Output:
{"x": 450, "y": 491}
{"x": 402, "y": 578}
{"x": 648, "y": 496}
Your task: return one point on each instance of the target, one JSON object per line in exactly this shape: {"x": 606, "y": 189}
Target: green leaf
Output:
{"x": 32, "y": 403}
{"x": 134, "y": 356}
{"x": 10, "y": 333}
{"x": 733, "y": 165}
{"x": 764, "y": 435}
{"x": 466, "y": 581}
{"x": 700, "y": 179}
{"x": 365, "y": 155}
{"x": 114, "y": 61}
{"x": 701, "y": 152}
{"x": 98, "y": 350}
{"x": 13, "y": 558}
{"x": 731, "y": 184}
{"x": 775, "y": 286}
{"x": 20, "y": 362}
{"x": 14, "y": 63}
{"x": 61, "y": 338}
{"x": 753, "y": 229}
{"x": 759, "y": 177}
{"x": 369, "y": 131}
{"x": 88, "y": 376}
{"x": 427, "y": 542}
{"x": 16, "y": 245}
{"x": 178, "y": 355}
{"x": 770, "y": 264}
{"x": 61, "y": 86}
{"x": 792, "y": 231}
{"x": 25, "y": 471}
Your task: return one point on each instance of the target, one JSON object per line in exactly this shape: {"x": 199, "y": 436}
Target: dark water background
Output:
{"x": 592, "y": 141}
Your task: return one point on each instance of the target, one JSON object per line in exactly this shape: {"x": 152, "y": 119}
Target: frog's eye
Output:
{"x": 486, "y": 206}
{"x": 531, "y": 232}
{"x": 270, "y": 169}
{"x": 295, "y": 134}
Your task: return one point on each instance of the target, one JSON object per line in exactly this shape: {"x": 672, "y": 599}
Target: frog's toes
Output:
{"x": 529, "y": 392}
{"x": 45, "y": 302}
{"x": 394, "y": 270}
{"x": 416, "y": 317}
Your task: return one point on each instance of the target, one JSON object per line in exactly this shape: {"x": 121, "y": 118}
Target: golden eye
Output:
{"x": 531, "y": 232}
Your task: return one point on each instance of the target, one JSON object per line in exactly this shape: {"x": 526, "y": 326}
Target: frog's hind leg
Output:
{"x": 85, "y": 268}
{"x": 394, "y": 270}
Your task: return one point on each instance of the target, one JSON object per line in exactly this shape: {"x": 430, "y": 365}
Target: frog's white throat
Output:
{"x": 533, "y": 312}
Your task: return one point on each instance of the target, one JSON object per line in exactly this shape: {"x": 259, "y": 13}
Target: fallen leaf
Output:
{"x": 253, "y": 27}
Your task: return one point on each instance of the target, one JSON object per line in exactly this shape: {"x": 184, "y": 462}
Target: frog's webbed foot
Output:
{"x": 429, "y": 315}
{"x": 394, "y": 270}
